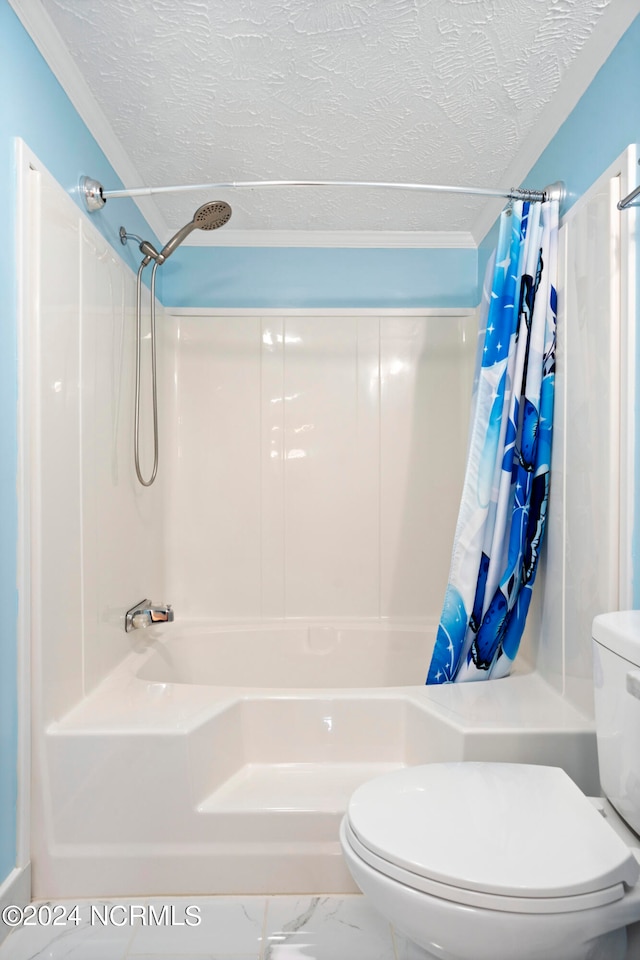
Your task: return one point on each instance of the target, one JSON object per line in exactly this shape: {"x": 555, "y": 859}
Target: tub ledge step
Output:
{"x": 291, "y": 787}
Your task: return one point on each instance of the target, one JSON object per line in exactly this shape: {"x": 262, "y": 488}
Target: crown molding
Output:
{"x": 615, "y": 19}
{"x": 435, "y": 239}
{"x": 44, "y": 34}
{"x": 40, "y": 27}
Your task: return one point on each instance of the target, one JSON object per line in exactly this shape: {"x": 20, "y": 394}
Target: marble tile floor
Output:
{"x": 230, "y": 928}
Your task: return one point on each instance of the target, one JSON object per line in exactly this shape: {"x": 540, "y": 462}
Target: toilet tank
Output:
{"x": 616, "y": 678}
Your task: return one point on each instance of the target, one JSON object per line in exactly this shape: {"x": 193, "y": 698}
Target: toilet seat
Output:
{"x": 511, "y": 837}
{"x": 473, "y": 898}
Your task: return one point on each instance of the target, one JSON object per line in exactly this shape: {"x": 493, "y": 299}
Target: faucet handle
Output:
{"x": 135, "y": 617}
{"x": 139, "y": 621}
{"x": 145, "y": 613}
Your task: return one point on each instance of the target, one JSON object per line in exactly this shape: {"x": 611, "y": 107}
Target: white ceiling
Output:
{"x": 437, "y": 91}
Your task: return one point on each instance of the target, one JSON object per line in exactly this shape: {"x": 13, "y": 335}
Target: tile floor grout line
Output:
{"x": 267, "y": 900}
{"x": 394, "y": 946}
{"x": 127, "y": 954}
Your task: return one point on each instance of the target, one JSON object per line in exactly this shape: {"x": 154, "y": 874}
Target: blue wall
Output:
{"x": 319, "y": 277}
{"x": 35, "y": 108}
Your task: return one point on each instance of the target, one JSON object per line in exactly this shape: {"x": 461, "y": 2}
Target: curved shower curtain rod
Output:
{"x": 95, "y": 196}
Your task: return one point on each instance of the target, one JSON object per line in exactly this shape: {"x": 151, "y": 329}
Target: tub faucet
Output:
{"x": 145, "y": 613}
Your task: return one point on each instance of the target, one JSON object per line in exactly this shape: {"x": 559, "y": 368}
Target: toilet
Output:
{"x": 506, "y": 861}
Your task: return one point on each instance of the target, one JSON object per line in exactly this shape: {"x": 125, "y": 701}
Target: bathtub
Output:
{"x": 287, "y": 656}
{"x": 219, "y": 758}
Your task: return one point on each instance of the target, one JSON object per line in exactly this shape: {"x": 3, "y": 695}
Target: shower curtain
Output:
{"x": 504, "y": 501}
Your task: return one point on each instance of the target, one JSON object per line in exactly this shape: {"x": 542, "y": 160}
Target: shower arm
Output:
{"x": 95, "y": 196}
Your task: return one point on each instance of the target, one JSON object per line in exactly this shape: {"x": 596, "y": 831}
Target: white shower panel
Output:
{"x": 213, "y": 448}
{"x": 330, "y": 404}
{"x": 318, "y": 463}
{"x": 54, "y": 347}
{"x": 586, "y": 569}
{"x": 96, "y": 534}
{"x": 593, "y": 439}
{"x": 123, "y": 535}
{"x": 272, "y": 458}
{"x": 426, "y": 371}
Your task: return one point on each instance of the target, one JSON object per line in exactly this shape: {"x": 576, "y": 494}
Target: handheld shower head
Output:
{"x": 212, "y": 215}
{"x": 209, "y": 216}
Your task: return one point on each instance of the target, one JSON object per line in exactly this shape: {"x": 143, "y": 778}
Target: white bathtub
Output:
{"x": 220, "y": 758}
{"x": 293, "y": 656}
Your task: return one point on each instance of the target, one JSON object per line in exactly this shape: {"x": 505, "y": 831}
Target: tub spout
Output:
{"x": 146, "y": 613}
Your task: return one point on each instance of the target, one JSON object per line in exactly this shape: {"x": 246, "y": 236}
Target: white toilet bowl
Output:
{"x": 493, "y": 861}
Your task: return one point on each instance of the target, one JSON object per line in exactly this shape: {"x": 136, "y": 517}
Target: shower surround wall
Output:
{"x": 313, "y": 463}
{"x": 96, "y": 536}
{"x": 97, "y": 544}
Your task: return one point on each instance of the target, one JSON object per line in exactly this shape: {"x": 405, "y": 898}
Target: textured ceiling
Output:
{"x": 440, "y": 91}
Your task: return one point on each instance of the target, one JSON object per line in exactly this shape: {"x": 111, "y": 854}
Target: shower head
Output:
{"x": 209, "y": 216}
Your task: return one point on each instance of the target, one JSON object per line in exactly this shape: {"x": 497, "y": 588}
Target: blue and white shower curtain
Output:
{"x": 504, "y": 501}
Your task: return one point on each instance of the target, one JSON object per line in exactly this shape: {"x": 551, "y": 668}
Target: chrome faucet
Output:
{"x": 146, "y": 613}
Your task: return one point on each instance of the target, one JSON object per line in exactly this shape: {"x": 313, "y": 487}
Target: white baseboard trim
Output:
{"x": 15, "y": 890}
